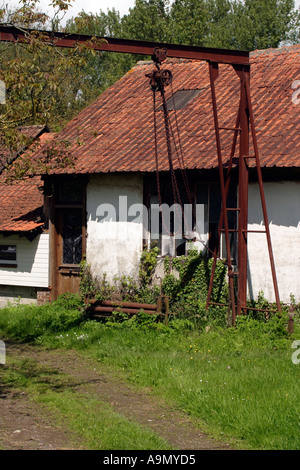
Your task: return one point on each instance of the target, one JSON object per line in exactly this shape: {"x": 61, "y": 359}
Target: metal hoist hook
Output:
{"x": 159, "y": 78}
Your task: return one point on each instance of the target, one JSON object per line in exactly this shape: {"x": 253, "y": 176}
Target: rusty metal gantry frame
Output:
{"x": 245, "y": 121}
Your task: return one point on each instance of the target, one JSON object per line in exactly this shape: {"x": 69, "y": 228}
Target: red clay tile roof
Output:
{"x": 21, "y": 207}
{"x": 116, "y": 131}
{"x": 31, "y": 133}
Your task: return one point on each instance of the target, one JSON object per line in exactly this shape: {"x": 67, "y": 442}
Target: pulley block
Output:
{"x": 159, "y": 79}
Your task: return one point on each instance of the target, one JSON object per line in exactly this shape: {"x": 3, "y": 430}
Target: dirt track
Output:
{"x": 26, "y": 425}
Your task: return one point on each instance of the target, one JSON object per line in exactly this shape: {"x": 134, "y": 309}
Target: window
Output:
{"x": 69, "y": 215}
{"x": 69, "y": 191}
{"x": 198, "y": 224}
{"x": 8, "y": 256}
{"x": 166, "y": 224}
{"x": 170, "y": 225}
{"x": 180, "y": 99}
{"x": 72, "y": 237}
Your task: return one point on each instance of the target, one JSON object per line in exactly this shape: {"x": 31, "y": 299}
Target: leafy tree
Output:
{"x": 44, "y": 84}
{"x": 100, "y": 24}
{"x": 234, "y": 24}
{"x": 189, "y": 21}
{"x": 269, "y": 23}
{"x": 49, "y": 85}
{"x": 102, "y": 70}
{"x": 148, "y": 20}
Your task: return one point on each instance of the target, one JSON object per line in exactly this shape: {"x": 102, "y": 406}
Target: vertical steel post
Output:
{"x": 243, "y": 72}
{"x": 213, "y": 73}
{"x": 245, "y": 121}
{"x": 262, "y": 196}
{"x": 228, "y": 176}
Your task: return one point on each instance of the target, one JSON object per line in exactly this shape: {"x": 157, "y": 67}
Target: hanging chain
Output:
{"x": 155, "y": 150}
{"x": 175, "y": 189}
{"x": 158, "y": 80}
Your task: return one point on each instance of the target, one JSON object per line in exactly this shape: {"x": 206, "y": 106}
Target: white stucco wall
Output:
{"x": 114, "y": 240}
{"x": 283, "y": 207}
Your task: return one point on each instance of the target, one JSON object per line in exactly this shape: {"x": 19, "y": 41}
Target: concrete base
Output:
{"x": 24, "y": 295}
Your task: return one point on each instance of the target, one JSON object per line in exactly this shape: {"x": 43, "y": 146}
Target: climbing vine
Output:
{"x": 188, "y": 291}
{"x": 126, "y": 288}
{"x": 186, "y": 282}
{"x": 148, "y": 264}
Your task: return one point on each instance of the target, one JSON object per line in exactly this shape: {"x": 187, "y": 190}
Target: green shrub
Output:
{"x": 186, "y": 282}
{"x": 148, "y": 263}
{"x": 124, "y": 288}
{"x": 188, "y": 293}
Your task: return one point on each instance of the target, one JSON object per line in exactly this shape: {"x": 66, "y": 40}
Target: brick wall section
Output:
{"x": 43, "y": 296}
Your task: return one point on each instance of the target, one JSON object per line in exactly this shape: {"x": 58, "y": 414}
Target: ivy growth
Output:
{"x": 148, "y": 264}
{"x": 188, "y": 293}
{"x": 126, "y": 288}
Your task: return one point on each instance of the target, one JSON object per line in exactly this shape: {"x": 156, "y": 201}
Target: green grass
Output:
{"x": 238, "y": 383}
{"x": 247, "y": 393}
{"x": 94, "y": 424}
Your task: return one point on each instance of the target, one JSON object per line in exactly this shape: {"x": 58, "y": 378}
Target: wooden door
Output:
{"x": 68, "y": 236}
{"x": 69, "y": 250}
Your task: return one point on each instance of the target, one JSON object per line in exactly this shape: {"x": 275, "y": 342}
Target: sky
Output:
{"x": 93, "y": 6}
{"x": 89, "y": 6}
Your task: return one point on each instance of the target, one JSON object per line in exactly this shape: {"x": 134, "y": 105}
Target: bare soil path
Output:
{"x": 26, "y": 425}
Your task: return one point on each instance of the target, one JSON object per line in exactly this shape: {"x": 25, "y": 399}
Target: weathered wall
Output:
{"x": 283, "y": 206}
{"x": 23, "y": 294}
{"x": 114, "y": 239}
{"x": 114, "y": 245}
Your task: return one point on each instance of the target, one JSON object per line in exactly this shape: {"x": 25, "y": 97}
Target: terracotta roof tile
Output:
{"x": 21, "y": 208}
{"x": 31, "y": 133}
{"x": 116, "y": 130}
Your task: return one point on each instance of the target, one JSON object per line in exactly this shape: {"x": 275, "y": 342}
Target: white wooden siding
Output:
{"x": 32, "y": 262}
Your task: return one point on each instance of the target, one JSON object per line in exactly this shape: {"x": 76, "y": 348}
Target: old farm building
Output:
{"x": 92, "y": 207}
{"x": 24, "y": 243}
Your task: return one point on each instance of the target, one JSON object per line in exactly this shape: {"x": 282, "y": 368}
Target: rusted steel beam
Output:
{"x": 111, "y": 303}
{"x": 129, "y": 46}
{"x": 265, "y": 310}
{"x": 262, "y": 195}
{"x": 220, "y": 304}
{"x": 290, "y": 327}
{"x": 243, "y": 192}
{"x": 213, "y": 74}
{"x": 122, "y": 310}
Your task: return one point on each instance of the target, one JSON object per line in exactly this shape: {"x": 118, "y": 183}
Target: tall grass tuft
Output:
{"x": 26, "y": 323}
